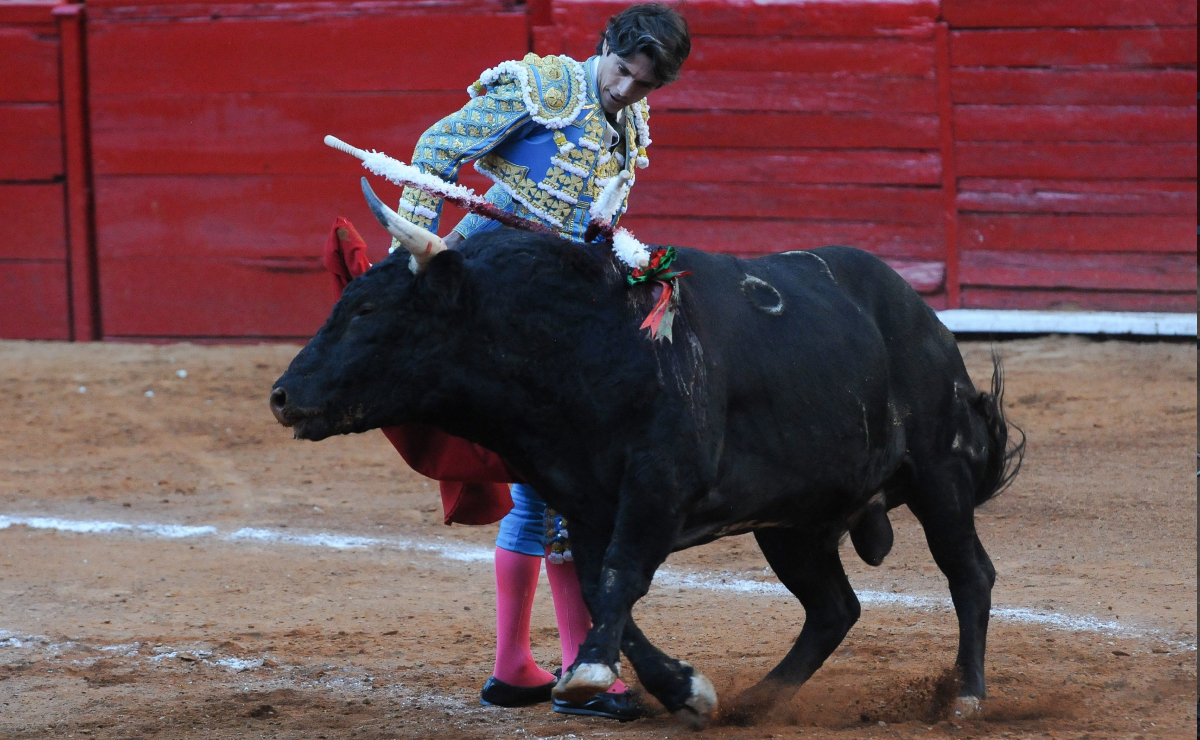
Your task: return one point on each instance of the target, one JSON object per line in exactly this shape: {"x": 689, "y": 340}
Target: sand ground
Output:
{"x": 253, "y": 625}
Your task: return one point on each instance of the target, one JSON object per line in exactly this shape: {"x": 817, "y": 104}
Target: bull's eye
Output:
{"x": 365, "y": 309}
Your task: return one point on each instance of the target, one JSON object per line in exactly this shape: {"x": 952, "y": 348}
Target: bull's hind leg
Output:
{"x": 943, "y": 502}
{"x": 810, "y": 568}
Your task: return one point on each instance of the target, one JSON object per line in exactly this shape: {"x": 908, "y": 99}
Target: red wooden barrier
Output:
{"x": 1058, "y": 13}
{"x": 793, "y": 125}
{"x": 998, "y": 153}
{"x": 1075, "y": 126}
{"x": 214, "y": 191}
{"x": 85, "y": 308}
{"x": 34, "y": 293}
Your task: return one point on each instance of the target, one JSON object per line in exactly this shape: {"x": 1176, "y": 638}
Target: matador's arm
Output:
{"x": 468, "y": 134}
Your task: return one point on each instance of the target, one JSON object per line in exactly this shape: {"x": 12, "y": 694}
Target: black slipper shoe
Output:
{"x": 496, "y": 693}
{"x": 623, "y": 707}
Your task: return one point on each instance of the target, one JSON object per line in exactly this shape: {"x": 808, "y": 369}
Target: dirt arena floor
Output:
{"x": 174, "y": 565}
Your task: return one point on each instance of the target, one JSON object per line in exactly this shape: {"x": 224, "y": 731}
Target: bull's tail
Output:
{"x": 1005, "y": 454}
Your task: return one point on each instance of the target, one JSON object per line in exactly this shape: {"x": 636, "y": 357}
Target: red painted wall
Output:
{"x": 1075, "y": 131}
{"x": 214, "y": 192}
{"x": 1038, "y": 154}
{"x": 34, "y": 292}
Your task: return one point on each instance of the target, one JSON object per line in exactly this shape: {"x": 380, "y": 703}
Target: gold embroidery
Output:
{"x": 525, "y": 190}
{"x": 558, "y": 90}
{"x": 555, "y": 99}
{"x": 580, "y": 157}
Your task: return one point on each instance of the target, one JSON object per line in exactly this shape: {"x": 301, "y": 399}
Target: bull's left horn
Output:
{"x": 421, "y": 243}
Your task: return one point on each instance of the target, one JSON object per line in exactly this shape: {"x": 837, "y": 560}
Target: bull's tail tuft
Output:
{"x": 1004, "y": 454}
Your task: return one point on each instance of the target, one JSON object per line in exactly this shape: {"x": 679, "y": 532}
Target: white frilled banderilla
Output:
{"x": 423, "y": 244}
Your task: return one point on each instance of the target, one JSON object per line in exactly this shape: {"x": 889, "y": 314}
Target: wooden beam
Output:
{"x": 949, "y": 171}
{"x": 81, "y": 252}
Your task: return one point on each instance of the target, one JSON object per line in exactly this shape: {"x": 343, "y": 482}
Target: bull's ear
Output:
{"x": 445, "y": 278}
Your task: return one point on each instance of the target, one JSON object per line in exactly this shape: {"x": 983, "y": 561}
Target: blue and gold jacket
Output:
{"x": 536, "y": 129}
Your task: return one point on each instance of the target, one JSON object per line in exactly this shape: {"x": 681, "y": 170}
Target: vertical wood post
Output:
{"x": 949, "y": 172}
{"x": 81, "y": 248}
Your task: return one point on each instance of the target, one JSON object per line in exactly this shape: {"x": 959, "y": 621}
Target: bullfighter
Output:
{"x": 551, "y": 132}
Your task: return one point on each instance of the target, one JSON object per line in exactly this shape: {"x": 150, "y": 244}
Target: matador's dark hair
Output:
{"x": 654, "y": 29}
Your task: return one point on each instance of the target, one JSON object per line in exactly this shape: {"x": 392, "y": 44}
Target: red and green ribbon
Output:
{"x": 658, "y": 269}
{"x": 662, "y": 316}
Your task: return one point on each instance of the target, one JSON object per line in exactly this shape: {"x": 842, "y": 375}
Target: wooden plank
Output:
{"x": 937, "y": 301}
{"x": 1077, "y": 300}
{"x": 29, "y": 58}
{"x": 1073, "y": 47}
{"x": 252, "y": 217}
{"x": 232, "y": 217}
{"x": 257, "y": 134}
{"x": 898, "y": 57}
{"x": 799, "y": 92}
{"x": 178, "y": 296}
{"x": 924, "y": 277}
{"x": 33, "y": 300}
{"x": 752, "y": 236}
{"x": 747, "y": 18}
{"x": 85, "y": 306}
{"x": 1096, "y": 13}
{"x": 1075, "y": 123}
{"x": 30, "y": 141}
{"x": 785, "y": 130}
{"x": 35, "y": 222}
{"x": 1076, "y": 160}
{"x": 1101, "y": 271}
{"x": 1074, "y": 87}
{"x": 30, "y": 13}
{"x": 878, "y": 204}
{"x": 1126, "y": 197}
{"x": 541, "y": 12}
{"x": 1044, "y": 234}
{"x": 549, "y": 40}
{"x": 290, "y": 54}
{"x": 316, "y": 10}
{"x": 949, "y": 165}
{"x": 851, "y": 166}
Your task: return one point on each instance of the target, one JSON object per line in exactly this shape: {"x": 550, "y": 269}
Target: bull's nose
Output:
{"x": 278, "y": 403}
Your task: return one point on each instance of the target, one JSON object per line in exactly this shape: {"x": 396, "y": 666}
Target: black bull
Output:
{"x": 803, "y": 395}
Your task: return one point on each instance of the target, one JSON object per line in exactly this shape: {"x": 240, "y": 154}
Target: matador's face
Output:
{"x": 623, "y": 81}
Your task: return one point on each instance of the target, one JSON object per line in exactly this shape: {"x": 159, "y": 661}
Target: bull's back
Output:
{"x": 800, "y": 371}
{"x": 923, "y": 358}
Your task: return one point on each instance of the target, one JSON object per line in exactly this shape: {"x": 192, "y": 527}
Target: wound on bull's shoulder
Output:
{"x": 762, "y": 295}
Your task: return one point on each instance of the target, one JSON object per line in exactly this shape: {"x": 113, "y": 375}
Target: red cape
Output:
{"x": 473, "y": 480}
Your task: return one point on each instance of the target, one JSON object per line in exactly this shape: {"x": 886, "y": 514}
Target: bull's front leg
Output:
{"x": 615, "y": 571}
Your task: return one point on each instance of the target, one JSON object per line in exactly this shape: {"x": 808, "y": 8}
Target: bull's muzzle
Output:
{"x": 279, "y": 407}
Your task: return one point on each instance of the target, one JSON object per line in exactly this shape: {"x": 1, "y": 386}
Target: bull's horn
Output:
{"x": 421, "y": 243}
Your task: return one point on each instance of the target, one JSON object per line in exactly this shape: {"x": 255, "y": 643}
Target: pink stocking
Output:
{"x": 574, "y": 621}
{"x": 516, "y": 582}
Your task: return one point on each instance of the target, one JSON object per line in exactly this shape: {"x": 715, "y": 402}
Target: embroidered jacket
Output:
{"x": 536, "y": 129}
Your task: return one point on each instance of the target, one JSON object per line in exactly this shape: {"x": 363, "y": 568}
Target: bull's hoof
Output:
{"x": 701, "y": 704}
{"x": 583, "y": 682}
{"x": 967, "y": 707}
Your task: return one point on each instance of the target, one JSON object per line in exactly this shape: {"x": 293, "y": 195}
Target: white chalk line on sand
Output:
{"x": 666, "y": 576}
{"x": 466, "y": 553}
